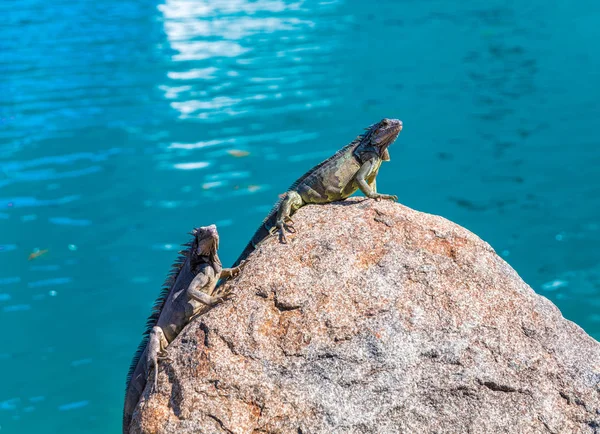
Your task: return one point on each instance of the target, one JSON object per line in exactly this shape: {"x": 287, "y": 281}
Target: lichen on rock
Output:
{"x": 376, "y": 318}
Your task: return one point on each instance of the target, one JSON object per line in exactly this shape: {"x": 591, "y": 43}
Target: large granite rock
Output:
{"x": 378, "y": 319}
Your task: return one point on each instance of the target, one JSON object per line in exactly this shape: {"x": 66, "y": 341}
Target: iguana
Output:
{"x": 352, "y": 168}
{"x": 186, "y": 294}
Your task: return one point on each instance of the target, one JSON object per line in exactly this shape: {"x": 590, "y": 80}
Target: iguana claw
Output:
{"x": 218, "y": 299}
{"x": 378, "y": 197}
{"x": 229, "y": 296}
{"x": 154, "y": 386}
{"x": 163, "y": 355}
{"x": 223, "y": 298}
{"x": 282, "y": 237}
{"x": 215, "y": 301}
{"x": 282, "y": 227}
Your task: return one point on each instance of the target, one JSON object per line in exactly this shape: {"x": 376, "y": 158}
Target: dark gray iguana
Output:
{"x": 186, "y": 294}
{"x": 352, "y": 168}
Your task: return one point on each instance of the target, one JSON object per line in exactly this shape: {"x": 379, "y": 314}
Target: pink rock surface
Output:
{"x": 376, "y": 318}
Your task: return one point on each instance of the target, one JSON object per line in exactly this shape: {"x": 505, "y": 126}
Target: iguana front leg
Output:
{"x": 157, "y": 344}
{"x": 361, "y": 179}
{"x": 195, "y": 291}
{"x": 291, "y": 202}
{"x": 226, "y": 273}
{"x": 373, "y": 185}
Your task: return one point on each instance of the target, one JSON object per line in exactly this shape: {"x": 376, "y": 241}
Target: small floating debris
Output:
{"x": 238, "y": 153}
{"x": 554, "y": 285}
{"x": 36, "y": 254}
{"x": 72, "y": 247}
{"x": 253, "y": 188}
{"x": 52, "y": 293}
{"x": 73, "y": 405}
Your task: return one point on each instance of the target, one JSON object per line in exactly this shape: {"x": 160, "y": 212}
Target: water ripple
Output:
{"x": 28, "y": 201}
{"x": 67, "y": 221}
{"x": 198, "y": 33}
{"x": 73, "y": 405}
{"x": 9, "y": 280}
{"x": 49, "y": 282}
{"x": 122, "y": 122}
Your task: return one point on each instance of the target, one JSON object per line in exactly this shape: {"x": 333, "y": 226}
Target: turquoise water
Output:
{"x": 118, "y": 120}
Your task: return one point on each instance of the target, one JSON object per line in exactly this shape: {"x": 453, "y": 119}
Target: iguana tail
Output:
{"x": 135, "y": 388}
{"x": 263, "y": 232}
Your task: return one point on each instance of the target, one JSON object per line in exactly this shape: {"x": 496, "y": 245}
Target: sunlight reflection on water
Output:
{"x": 206, "y": 33}
{"x": 123, "y": 125}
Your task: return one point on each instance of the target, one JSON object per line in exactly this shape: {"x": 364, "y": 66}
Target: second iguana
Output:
{"x": 354, "y": 167}
{"x": 188, "y": 293}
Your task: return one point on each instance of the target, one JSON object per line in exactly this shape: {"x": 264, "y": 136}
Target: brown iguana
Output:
{"x": 186, "y": 294}
{"x": 352, "y": 168}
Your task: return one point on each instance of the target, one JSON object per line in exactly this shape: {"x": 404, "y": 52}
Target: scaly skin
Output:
{"x": 189, "y": 296}
{"x": 354, "y": 167}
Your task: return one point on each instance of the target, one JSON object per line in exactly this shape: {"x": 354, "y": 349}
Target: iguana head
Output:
{"x": 379, "y": 136}
{"x": 206, "y": 242}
